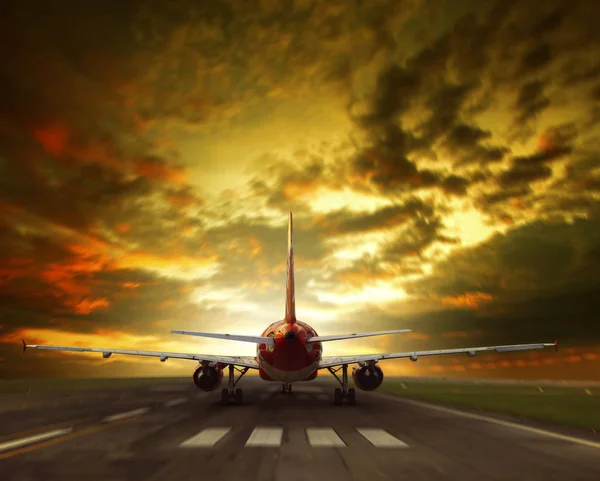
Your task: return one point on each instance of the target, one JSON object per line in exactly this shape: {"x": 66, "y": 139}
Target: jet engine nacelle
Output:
{"x": 471, "y": 353}
{"x": 367, "y": 378}
{"x": 208, "y": 378}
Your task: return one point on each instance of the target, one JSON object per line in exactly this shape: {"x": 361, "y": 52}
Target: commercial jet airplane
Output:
{"x": 290, "y": 351}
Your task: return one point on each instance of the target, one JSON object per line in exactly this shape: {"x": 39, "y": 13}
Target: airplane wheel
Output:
{"x": 351, "y": 397}
{"x": 225, "y": 396}
{"x": 238, "y": 396}
{"x": 289, "y": 388}
{"x": 337, "y": 396}
{"x": 283, "y": 388}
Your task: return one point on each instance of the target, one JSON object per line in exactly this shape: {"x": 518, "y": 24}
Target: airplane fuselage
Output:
{"x": 292, "y": 357}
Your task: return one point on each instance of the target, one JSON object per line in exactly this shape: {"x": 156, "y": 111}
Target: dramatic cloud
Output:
{"x": 441, "y": 161}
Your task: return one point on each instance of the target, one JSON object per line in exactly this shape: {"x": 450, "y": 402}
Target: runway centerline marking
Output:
{"x": 324, "y": 437}
{"x": 500, "y": 422}
{"x": 36, "y": 438}
{"x": 265, "y": 436}
{"x": 175, "y": 402}
{"x": 381, "y": 438}
{"x": 127, "y": 414}
{"x": 206, "y": 438}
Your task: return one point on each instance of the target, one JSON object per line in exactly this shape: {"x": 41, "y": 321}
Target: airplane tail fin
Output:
{"x": 290, "y": 298}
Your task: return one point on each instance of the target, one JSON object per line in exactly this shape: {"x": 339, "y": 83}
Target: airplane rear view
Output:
{"x": 290, "y": 351}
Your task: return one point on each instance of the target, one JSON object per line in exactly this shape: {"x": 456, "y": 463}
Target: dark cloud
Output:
{"x": 391, "y": 217}
{"x": 420, "y": 235}
{"x": 536, "y": 58}
{"x": 395, "y": 90}
{"x": 530, "y": 101}
{"x": 445, "y": 105}
{"x": 464, "y": 143}
{"x": 387, "y": 167}
{"x": 505, "y": 194}
{"x": 554, "y": 144}
{"x": 516, "y": 266}
{"x": 524, "y": 173}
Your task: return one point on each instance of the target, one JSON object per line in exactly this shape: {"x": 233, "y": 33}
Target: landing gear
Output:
{"x": 286, "y": 388}
{"x": 231, "y": 393}
{"x": 339, "y": 394}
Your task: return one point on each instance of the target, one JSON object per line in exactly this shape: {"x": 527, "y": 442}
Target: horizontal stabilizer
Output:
{"x": 231, "y": 337}
{"x": 339, "y": 337}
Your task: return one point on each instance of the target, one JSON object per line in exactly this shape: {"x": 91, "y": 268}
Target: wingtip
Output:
{"x": 556, "y": 344}
{"x": 24, "y": 345}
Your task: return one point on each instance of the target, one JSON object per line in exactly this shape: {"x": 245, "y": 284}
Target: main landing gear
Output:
{"x": 344, "y": 393}
{"x": 230, "y": 394}
{"x": 286, "y": 387}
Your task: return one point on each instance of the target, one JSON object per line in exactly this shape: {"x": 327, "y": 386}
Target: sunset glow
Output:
{"x": 442, "y": 170}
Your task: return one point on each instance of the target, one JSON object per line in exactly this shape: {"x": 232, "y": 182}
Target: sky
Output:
{"x": 441, "y": 159}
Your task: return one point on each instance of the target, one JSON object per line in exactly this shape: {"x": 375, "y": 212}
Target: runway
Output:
{"x": 179, "y": 432}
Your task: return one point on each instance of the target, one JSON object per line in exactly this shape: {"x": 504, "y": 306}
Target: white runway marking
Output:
{"x": 206, "y": 438}
{"x": 324, "y": 437}
{"x": 380, "y": 438}
{"x": 263, "y": 436}
{"x": 541, "y": 432}
{"x": 175, "y": 402}
{"x": 36, "y": 438}
{"x": 128, "y": 414}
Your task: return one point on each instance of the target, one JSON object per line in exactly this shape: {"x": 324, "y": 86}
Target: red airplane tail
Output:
{"x": 290, "y": 299}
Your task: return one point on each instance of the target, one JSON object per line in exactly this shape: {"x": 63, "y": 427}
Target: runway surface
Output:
{"x": 178, "y": 432}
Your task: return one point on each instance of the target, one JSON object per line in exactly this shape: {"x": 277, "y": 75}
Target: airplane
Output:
{"x": 290, "y": 351}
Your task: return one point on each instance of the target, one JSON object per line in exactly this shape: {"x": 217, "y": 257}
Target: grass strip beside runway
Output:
{"x": 570, "y": 406}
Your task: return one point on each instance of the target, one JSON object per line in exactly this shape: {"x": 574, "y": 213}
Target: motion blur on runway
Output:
{"x": 172, "y": 431}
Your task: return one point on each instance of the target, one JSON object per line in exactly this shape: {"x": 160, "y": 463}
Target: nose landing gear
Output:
{"x": 230, "y": 394}
{"x": 339, "y": 394}
{"x": 286, "y": 387}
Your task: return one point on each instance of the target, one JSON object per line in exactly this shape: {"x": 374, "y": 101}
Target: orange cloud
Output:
{"x": 471, "y": 300}
{"x": 123, "y": 228}
{"x": 86, "y": 306}
{"x": 53, "y": 138}
{"x": 158, "y": 170}
{"x": 131, "y": 285}
{"x": 256, "y": 247}
{"x": 455, "y": 334}
{"x": 169, "y": 265}
{"x": 293, "y": 189}
{"x": 417, "y": 335}
{"x": 363, "y": 276}
{"x": 180, "y": 199}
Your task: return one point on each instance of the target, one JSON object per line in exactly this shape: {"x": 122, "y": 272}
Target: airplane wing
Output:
{"x": 339, "y": 337}
{"x": 231, "y": 337}
{"x": 331, "y": 361}
{"x": 242, "y": 361}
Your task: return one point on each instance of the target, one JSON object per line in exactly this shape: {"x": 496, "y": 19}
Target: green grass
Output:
{"x": 35, "y": 386}
{"x": 571, "y": 406}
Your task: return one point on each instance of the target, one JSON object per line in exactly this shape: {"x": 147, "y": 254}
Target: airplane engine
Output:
{"x": 209, "y": 378}
{"x": 367, "y": 378}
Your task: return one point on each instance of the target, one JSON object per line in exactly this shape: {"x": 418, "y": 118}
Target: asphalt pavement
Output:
{"x": 178, "y": 432}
